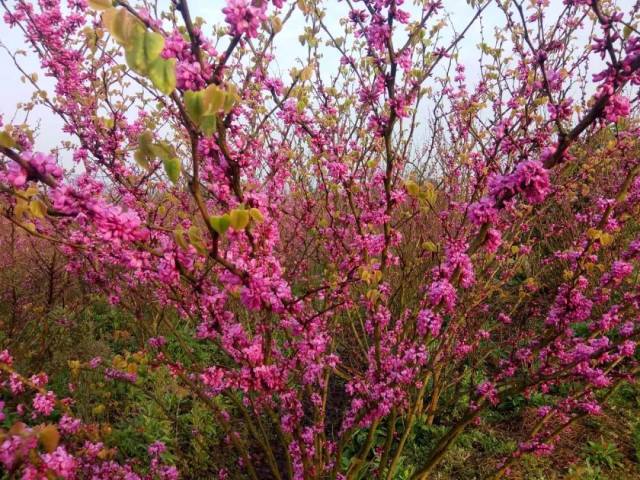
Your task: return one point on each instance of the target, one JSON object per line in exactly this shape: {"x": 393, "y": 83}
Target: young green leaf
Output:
{"x": 195, "y": 235}
{"x": 430, "y": 246}
{"x": 139, "y": 49}
{"x": 194, "y": 106}
{"x": 306, "y": 73}
{"x": 162, "y": 74}
{"x": 145, "y": 140}
{"x": 256, "y": 215}
{"x": 208, "y": 124}
{"x": 172, "y": 168}
{"x": 152, "y": 46}
{"x": 163, "y": 150}
{"x": 412, "y": 188}
{"x": 29, "y": 227}
{"x": 213, "y": 100}
{"x": 38, "y": 208}
{"x": 6, "y": 140}
{"x": 100, "y": 4}
{"x": 220, "y": 223}
{"x": 121, "y": 24}
{"x": 230, "y": 99}
{"x": 178, "y": 235}
{"x": 195, "y": 238}
{"x": 239, "y": 218}
{"x": 141, "y": 158}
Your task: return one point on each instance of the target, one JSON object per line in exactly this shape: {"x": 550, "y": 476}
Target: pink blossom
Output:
{"x": 244, "y": 17}
{"x": 44, "y": 403}
{"x": 16, "y": 175}
{"x": 617, "y": 107}
{"x": 443, "y": 292}
{"x": 60, "y": 463}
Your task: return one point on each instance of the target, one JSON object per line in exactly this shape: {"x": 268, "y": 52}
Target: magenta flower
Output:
{"x": 44, "y": 403}
{"x": 244, "y": 17}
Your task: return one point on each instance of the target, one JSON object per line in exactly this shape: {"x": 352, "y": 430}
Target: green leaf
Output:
{"x": 430, "y": 246}
{"x": 163, "y": 150}
{"x": 145, "y": 154}
{"x": 133, "y": 55}
{"x": 230, "y": 99}
{"x": 152, "y": 46}
{"x": 172, "y": 168}
{"x": 143, "y": 50}
{"x": 256, "y": 215}
{"x": 121, "y": 24}
{"x": 306, "y": 72}
{"x": 194, "y": 106}
{"x": 208, "y": 124}
{"x": 6, "y": 140}
{"x": 213, "y": 99}
{"x": 162, "y": 74}
{"x": 134, "y": 60}
{"x": 100, "y": 4}
{"x": 141, "y": 158}
{"x": 220, "y": 223}
{"x": 29, "y": 227}
{"x": 178, "y": 235}
{"x": 412, "y": 188}
{"x": 239, "y": 218}
{"x": 195, "y": 235}
{"x": 145, "y": 142}
{"x": 38, "y": 208}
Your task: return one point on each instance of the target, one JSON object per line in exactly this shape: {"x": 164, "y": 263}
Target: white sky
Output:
{"x": 12, "y": 90}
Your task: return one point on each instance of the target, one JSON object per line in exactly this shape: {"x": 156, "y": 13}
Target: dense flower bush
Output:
{"x": 389, "y": 238}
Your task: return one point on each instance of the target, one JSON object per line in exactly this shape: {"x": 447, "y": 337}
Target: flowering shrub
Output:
{"x": 393, "y": 240}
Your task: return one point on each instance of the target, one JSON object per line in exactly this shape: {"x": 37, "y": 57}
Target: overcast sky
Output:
{"x": 13, "y": 90}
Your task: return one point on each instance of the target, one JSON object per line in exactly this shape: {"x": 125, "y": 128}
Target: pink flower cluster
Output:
{"x": 244, "y": 16}
{"x": 42, "y": 164}
{"x": 44, "y": 403}
{"x": 530, "y": 179}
